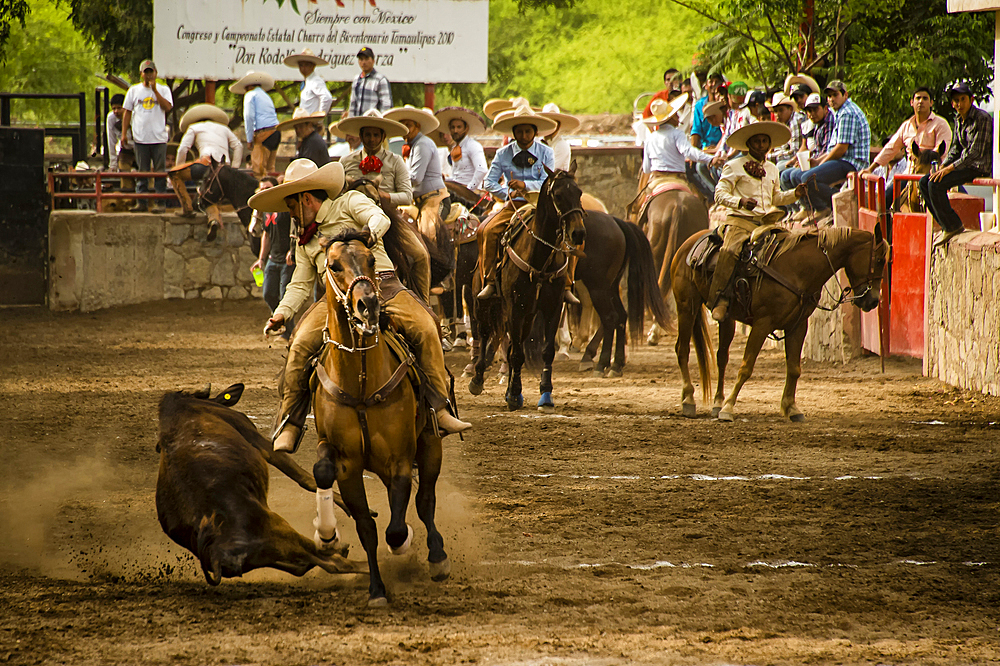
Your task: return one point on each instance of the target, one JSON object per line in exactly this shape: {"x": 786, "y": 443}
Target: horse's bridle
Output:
{"x": 849, "y": 294}
{"x": 206, "y": 186}
{"x": 561, "y": 244}
{"x": 359, "y": 331}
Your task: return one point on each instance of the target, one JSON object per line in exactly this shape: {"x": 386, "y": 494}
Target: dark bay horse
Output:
{"x": 783, "y": 297}
{"x": 622, "y": 246}
{"x": 367, "y": 418}
{"x": 224, "y": 183}
{"x": 670, "y": 219}
{"x": 531, "y": 279}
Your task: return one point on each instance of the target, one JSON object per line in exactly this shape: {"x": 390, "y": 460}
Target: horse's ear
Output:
{"x": 942, "y": 149}
{"x": 915, "y": 148}
{"x": 878, "y": 233}
{"x": 214, "y": 162}
{"x": 377, "y": 181}
{"x": 548, "y": 171}
{"x": 572, "y": 169}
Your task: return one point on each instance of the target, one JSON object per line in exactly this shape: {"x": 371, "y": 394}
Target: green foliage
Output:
{"x": 593, "y": 57}
{"x": 10, "y": 11}
{"x": 121, "y": 29}
{"x": 40, "y": 68}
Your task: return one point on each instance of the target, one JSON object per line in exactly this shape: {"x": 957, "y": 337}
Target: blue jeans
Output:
{"x": 151, "y": 157}
{"x": 276, "y": 278}
{"x": 935, "y": 195}
{"x": 820, "y": 193}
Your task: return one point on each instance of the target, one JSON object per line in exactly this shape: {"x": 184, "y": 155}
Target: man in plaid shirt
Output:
{"x": 970, "y": 157}
{"x": 851, "y": 150}
{"x": 818, "y": 137}
{"x": 369, "y": 90}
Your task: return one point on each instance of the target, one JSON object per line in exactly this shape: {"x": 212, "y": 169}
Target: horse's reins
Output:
{"x": 848, "y": 294}
{"x": 212, "y": 179}
{"x": 564, "y": 246}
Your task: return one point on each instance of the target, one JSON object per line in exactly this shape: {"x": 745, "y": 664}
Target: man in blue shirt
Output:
{"x": 260, "y": 121}
{"x": 521, "y": 164}
{"x": 851, "y": 150}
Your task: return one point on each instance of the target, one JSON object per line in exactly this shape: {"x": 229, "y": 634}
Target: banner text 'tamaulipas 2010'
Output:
{"x": 432, "y": 41}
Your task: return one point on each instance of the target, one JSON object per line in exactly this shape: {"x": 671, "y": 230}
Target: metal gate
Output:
{"x": 24, "y": 217}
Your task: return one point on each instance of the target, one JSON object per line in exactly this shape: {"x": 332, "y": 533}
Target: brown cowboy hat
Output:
{"x": 301, "y": 175}
{"x": 779, "y": 133}
{"x": 200, "y": 112}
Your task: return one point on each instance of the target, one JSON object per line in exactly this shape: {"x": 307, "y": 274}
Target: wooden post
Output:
{"x": 209, "y": 92}
{"x": 429, "y": 96}
{"x": 996, "y": 119}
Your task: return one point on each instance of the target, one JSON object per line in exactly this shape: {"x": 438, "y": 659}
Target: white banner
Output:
{"x": 431, "y": 41}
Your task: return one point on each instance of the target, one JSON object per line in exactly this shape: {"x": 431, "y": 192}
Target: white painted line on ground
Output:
{"x": 776, "y": 564}
{"x": 702, "y": 477}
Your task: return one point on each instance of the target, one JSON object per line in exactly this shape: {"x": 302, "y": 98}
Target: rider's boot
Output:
{"x": 720, "y": 310}
{"x": 570, "y": 297}
{"x": 180, "y": 189}
{"x": 293, "y": 388}
{"x": 448, "y": 424}
{"x": 489, "y": 291}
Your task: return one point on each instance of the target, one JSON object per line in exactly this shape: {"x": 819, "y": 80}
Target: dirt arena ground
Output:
{"x": 613, "y": 532}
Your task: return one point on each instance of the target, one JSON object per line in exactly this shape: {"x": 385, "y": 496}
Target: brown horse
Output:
{"x": 921, "y": 162}
{"x": 367, "y": 417}
{"x": 783, "y": 297}
{"x": 670, "y": 219}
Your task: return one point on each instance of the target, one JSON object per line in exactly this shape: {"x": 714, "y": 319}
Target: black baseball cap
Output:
{"x": 755, "y": 97}
{"x": 961, "y": 88}
{"x": 366, "y": 53}
{"x": 800, "y": 89}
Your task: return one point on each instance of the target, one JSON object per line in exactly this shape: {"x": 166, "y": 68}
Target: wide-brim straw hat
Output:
{"x": 711, "y": 108}
{"x": 265, "y": 81}
{"x": 523, "y": 115}
{"x": 200, "y": 112}
{"x": 780, "y": 98}
{"x": 299, "y": 117}
{"x": 494, "y": 107}
{"x": 662, "y": 110}
{"x": 804, "y": 79}
{"x": 306, "y": 56}
{"x": 567, "y": 123}
{"x": 779, "y": 133}
{"x": 423, "y": 117}
{"x": 301, "y": 175}
{"x": 371, "y": 118}
{"x": 475, "y": 122}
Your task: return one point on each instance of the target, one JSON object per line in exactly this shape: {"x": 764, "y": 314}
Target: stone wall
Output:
{"x": 103, "y": 260}
{"x": 963, "y": 313}
{"x": 610, "y": 174}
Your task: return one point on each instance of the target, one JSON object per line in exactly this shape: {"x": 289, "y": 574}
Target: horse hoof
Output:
{"x": 440, "y": 570}
{"x": 406, "y": 544}
{"x": 797, "y": 418}
{"x": 475, "y": 387}
{"x": 378, "y": 602}
{"x": 726, "y": 416}
{"x": 598, "y": 372}
{"x": 715, "y": 412}
{"x": 546, "y": 401}
{"x": 614, "y": 374}
{"x": 586, "y": 366}
{"x": 327, "y": 546}
{"x": 515, "y": 403}
{"x": 689, "y": 410}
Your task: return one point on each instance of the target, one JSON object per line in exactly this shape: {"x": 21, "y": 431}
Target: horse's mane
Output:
{"x": 832, "y": 236}
{"x": 345, "y": 236}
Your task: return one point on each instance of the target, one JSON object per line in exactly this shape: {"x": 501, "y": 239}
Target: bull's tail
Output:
{"x": 208, "y": 555}
{"x": 643, "y": 289}
{"x": 703, "y": 349}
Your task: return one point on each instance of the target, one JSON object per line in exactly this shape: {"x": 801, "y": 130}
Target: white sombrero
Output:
{"x": 507, "y": 120}
{"x": 306, "y": 56}
{"x": 371, "y": 118}
{"x": 265, "y": 81}
{"x": 301, "y": 175}
{"x": 300, "y": 116}
{"x": 493, "y": 107}
{"x": 200, "y": 112}
{"x": 475, "y": 122}
{"x": 662, "y": 110}
{"x": 804, "y": 79}
{"x": 423, "y": 117}
{"x": 779, "y": 133}
{"x": 780, "y": 98}
{"x": 567, "y": 123}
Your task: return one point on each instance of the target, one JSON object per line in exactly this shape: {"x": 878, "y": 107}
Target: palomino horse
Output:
{"x": 921, "y": 162}
{"x": 224, "y": 183}
{"x": 367, "y": 417}
{"x": 670, "y": 219}
{"x": 785, "y": 294}
{"x": 532, "y": 279}
{"x": 622, "y": 245}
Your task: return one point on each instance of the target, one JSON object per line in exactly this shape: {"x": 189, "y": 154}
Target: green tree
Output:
{"x": 122, "y": 31}
{"x": 11, "y": 11}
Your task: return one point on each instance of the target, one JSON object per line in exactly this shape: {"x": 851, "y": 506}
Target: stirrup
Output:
{"x": 570, "y": 297}
{"x": 489, "y": 291}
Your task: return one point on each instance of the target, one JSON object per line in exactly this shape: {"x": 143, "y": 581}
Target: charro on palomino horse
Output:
{"x": 531, "y": 278}
{"x": 224, "y": 183}
{"x": 368, "y": 415}
{"x": 666, "y": 207}
{"x": 778, "y": 293}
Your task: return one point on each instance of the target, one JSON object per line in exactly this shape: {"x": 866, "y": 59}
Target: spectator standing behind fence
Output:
{"x": 276, "y": 259}
{"x": 370, "y": 89}
{"x": 315, "y": 96}
{"x": 970, "y": 157}
{"x": 146, "y": 105}
{"x": 929, "y": 131}
{"x": 260, "y": 121}
{"x": 851, "y": 151}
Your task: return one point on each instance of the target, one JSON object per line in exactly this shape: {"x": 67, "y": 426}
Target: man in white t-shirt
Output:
{"x": 146, "y": 106}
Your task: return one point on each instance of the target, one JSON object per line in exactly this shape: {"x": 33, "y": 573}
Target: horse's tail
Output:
{"x": 703, "y": 349}
{"x": 643, "y": 289}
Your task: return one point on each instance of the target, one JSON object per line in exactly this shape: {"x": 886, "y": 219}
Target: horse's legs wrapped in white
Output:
{"x": 406, "y": 544}
{"x": 326, "y": 535}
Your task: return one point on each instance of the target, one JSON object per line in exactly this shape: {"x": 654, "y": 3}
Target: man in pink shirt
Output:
{"x": 927, "y": 129}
